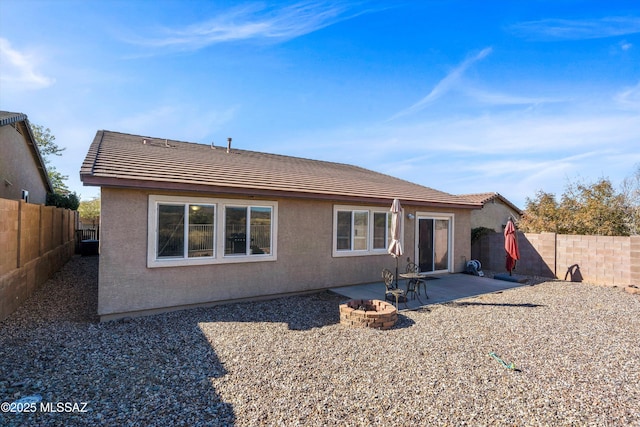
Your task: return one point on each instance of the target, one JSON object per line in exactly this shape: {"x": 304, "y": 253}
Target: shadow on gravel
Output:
{"x": 299, "y": 313}
{"x": 154, "y": 370}
{"x": 147, "y": 371}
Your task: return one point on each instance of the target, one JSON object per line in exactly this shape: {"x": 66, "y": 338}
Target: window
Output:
{"x": 170, "y": 231}
{"x": 355, "y": 234}
{"x": 381, "y": 230}
{"x": 196, "y": 234}
{"x": 201, "y": 230}
{"x": 192, "y": 231}
{"x": 252, "y": 221}
{"x": 353, "y": 229}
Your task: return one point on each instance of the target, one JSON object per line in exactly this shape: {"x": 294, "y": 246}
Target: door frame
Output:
{"x": 450, "y": 233}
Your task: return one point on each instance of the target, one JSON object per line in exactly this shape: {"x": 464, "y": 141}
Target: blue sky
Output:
{"x": 462, "y": 96}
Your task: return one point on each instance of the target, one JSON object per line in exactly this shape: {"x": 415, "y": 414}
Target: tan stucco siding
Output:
{"x": 18, "y": 169}
{"x": 304, "y": 259}
{"x": 493, "y": 215}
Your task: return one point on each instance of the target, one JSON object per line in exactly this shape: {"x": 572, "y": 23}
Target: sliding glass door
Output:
{"x": 434, "y": 243}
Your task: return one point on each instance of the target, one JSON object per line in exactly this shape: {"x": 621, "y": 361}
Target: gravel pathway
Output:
{"x": 575, "y": 347}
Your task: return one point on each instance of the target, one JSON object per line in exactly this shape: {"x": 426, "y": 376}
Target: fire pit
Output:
{"x": 364, "y": 313}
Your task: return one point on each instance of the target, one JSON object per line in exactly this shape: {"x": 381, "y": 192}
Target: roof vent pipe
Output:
{"x": 228, "y": 145}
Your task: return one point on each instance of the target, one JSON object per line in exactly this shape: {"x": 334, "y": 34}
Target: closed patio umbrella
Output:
{"x": 395, "y": 247}
{"x": 511, "y": 246}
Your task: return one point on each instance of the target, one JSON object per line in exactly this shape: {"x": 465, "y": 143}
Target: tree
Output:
{"x": 594, "y": 209}
{"x": 48, "y": 147}
{"x": 90, "y": 210}
{"x": 541, "y": 214}
{"x": 67, "y": 201}
{"x": 631, "y": 193}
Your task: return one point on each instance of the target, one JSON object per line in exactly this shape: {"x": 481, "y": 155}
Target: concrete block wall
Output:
{"x": 634, "y": 260}
{"x": 35, "y": 242}
{"x": 600, "y": 259}
{"x": 607, "y": 260}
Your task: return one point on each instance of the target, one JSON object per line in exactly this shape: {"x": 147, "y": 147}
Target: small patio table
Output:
{"x": 414, "y": 280}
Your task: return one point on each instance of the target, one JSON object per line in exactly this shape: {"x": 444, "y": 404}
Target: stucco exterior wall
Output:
{"x": 304, "y": 259}
{"x": 494, "y": 214}
{"x": 19, "y": 168}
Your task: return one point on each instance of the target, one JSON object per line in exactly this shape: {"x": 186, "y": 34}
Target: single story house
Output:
{"x": 185, "y": 225}
{"x": 23, "y": 175}
{"x": 496, "y": 211}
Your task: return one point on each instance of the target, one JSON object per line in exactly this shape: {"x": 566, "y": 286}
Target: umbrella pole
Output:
{"x": 396, "y": 272}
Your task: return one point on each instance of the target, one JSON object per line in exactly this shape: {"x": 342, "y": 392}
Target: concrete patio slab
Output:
{"x": 443, "y": 288}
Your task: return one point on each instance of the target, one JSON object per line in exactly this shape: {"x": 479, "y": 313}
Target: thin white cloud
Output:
{"x": 629, "y": 98}
{"x": 535, "y": 133}
{"x": 625, "y": 45}
{"x": 512, "y": 152}
{"x": 19, "y": 69}
{"x": 444, "y": 85}
{"x": 567, "y": 29}
{"x": 253, "y": 22}
{"x": 497, "y": 98}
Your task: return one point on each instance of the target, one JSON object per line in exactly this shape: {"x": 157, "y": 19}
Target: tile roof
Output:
{"x": 123, "y": 160}
{"x": 7, "y": 117}
{"x": 487, "y": 197}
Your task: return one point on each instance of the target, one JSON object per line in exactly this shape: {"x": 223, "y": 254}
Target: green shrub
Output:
{"x": 67, "y": 201}
{"x": 478, "y": 232}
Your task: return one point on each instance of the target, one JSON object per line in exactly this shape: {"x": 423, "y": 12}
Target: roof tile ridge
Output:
{"x": 261, "y": 153}
{"x": 132, "y": 135}
{"x": 12, "y": 118}
{"x": 92, "y": 154}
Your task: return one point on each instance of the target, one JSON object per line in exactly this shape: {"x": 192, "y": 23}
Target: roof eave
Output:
{"x": 35, "y": 152}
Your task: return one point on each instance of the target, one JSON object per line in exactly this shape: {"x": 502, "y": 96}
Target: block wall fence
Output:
{"x": 606, "y": 260}
{"x": 35, "y": 242}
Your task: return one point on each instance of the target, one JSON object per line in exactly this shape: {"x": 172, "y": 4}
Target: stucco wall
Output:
{"x": 18, "y": 167}
{"x": 304, "y": 259}
{"x": 494, "y": 215}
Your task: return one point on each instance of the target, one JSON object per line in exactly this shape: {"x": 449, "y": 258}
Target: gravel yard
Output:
{"x": 288, "y": 361}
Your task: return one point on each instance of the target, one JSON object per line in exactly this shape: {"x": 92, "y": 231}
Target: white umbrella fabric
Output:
{"x": 395, "y": 247}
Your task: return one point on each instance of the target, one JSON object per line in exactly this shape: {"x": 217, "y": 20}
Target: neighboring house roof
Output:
{"x": 487, "y": 197}
{"x": 21, "y": 123}
{"x": 7, "y": 118}
{"x": 122, "y": 160}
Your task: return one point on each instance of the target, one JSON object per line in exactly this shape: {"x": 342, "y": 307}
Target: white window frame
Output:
{"x": 450, "y": 216}
{"x": 219, "y": 231}
{"x": 387, "y": 229}
{"x": 185, "y": 239}
{"x": 248, "y": 207}
{"x": 360, "y": 252}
